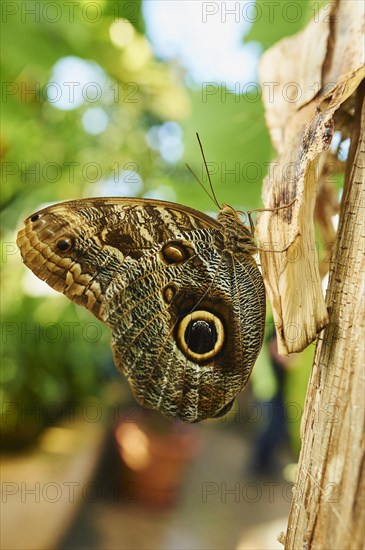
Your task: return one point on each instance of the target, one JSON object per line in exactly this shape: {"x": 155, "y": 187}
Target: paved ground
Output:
{"x": 220, "y": 507}
{"x": 55, "y": 496}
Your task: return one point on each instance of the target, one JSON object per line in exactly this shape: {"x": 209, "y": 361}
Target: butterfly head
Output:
{"x": 237, "y": 236}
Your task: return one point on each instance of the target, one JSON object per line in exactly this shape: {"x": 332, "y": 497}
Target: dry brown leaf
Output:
{"x": 326, "y": 64}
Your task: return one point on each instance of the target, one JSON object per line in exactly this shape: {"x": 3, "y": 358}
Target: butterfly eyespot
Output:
{"x": 174, "y": 252}
{"x": 168, "y": 293}
{"x": 64, "y": 245}
{"x": 35, "y": 217}
{"x": 200, "y": 335}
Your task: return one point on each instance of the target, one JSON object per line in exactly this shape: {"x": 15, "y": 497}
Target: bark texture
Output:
{"x": 328, "y": 509}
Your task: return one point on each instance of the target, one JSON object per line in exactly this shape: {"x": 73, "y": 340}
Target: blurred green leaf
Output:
{"x": 274, "y": 20}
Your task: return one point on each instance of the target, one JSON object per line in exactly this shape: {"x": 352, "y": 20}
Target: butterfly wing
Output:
{"x": 77, "y": 247}
{"x": 181, "y": 308}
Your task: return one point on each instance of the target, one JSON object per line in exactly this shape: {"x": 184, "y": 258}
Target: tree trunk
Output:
{"x": 328, "y": 508}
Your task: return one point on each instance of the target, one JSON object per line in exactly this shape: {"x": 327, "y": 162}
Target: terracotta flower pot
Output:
{"x": 156, "y": 461}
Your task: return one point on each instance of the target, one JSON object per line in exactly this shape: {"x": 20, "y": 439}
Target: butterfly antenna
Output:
{"x": 200, "y": 183}
{"x": 206, "y": 168}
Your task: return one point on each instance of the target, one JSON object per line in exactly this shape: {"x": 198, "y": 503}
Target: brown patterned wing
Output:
{"x": 186, "y": 314}
{"x": 77, "y": 247}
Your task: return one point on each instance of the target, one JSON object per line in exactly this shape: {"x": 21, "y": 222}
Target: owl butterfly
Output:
{"x": 180, "y": 291}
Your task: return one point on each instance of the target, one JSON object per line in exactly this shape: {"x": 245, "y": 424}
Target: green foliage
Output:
{"x": 296, "y": 382}
{"x": 48, "y": 154}
{"x": 236, "y": 145}
{"x": 53, "y": 355}
{"x": 274, "y": 20}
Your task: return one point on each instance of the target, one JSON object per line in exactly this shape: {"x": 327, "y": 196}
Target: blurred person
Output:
{"x": 274, "y": 431}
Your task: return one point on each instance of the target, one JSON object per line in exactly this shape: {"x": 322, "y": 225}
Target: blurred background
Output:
{"x": 103, "y": 98}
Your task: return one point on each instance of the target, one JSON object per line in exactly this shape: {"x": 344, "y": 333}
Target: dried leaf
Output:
{"x": 326, "y": 63}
